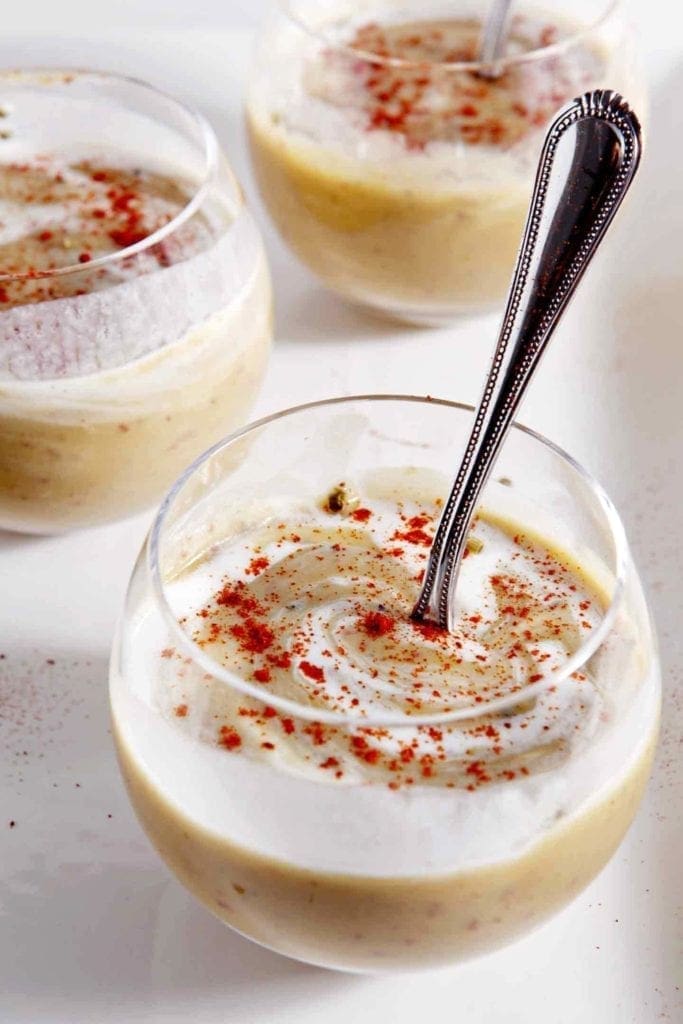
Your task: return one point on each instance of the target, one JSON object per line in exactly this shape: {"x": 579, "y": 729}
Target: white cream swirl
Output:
{"x": 315, "y": 608}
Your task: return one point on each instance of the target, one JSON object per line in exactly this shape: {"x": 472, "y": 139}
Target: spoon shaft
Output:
{"x": 494, "y": 31}
{"x": 589, "y": 158}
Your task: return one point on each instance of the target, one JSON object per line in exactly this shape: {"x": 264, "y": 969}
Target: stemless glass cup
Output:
{"x": 124, "y": 367}
{"x": 364, "y": 877}
{"x": 403, "y": 182}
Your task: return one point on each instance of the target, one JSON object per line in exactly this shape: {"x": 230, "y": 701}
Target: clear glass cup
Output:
{"x": 361, "y": 876}
{"x": 394, "y": 168}
{"x": 123, "y": 353}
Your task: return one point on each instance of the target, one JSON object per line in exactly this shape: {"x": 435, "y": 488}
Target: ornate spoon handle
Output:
{"x": 588, "y": 161}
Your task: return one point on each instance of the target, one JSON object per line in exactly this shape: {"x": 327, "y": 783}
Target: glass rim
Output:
{"x": 344, "y": 719}
{"x": 210, "y": 153}
{"x": 539, "y": 53}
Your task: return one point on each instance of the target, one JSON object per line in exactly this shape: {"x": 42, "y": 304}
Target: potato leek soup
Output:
{"x": 393, "y": 166}
{"x": 134, "y": 301}
{"x": 499, "y": 787}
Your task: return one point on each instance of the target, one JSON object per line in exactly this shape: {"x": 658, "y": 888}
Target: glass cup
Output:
{"x": 361, "y": 875}
{"x": 135, "y": 300}
{"x": 393, "y": 163}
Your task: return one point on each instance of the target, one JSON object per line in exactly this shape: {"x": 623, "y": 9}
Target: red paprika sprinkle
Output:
{"x": 229, "y": 738}
{"x": 312, "y": 671}
{"x": 125, "y": 237}
{"x": 236, "y": 595}
{"x": 361, "y": 515}
{"x": 371, "y": 756}
{"x": 377, "y": 623}
{"x": 429, "y": 631}
{"x": 413, "y": 536}
{"x": 415, "y": 90}
{"x": 122, "y": 202}
{"x": 478, "y": 769}
{"x": 256, "y": 566}
{"x": 252, "y": 636}
{"x": 317, "y": 733}
{"x": 283, "y": 660}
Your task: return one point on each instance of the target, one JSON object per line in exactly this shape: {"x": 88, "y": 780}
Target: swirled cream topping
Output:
{"x": 314, "y": 606}
{"x": 391, "y": 89}
{"x": 56, "y": 213}
{"x": 415, "y": 90}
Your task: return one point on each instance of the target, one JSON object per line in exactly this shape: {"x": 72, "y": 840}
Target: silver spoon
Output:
{"x": 589, "y": 158}
{"x": 492, "y": 42}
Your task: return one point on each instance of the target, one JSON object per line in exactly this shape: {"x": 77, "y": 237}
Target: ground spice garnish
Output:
{"x": 282, "y": 660}
{"x": 229, "y": 738}
{"x": 413, "y": 90}
{"x": 253, "y": 636}
{"x": 415, "y": 535}
{"x": 314, "y": 672}
{"x": 361, "y": 515}
{"x": 317, "y": 732}
{"x": 514, "y": 623}
{"x": 93, "y": 213}
{"x": 237, "y": 595}
{"x": 257, "y": 566}
{"x": 377, "y": 623}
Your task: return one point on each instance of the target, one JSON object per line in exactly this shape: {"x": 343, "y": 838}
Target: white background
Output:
{"x": 92, "y": 929}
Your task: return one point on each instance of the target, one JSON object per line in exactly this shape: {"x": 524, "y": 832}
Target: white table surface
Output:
{"x": 92, "y": 928}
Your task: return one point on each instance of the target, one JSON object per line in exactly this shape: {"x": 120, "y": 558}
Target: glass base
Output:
{"x": 418, "y": 316}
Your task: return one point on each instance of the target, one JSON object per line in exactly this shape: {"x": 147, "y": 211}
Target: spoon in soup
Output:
{"x": 588, "y": 161}
{"x": 492, "y": 42}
